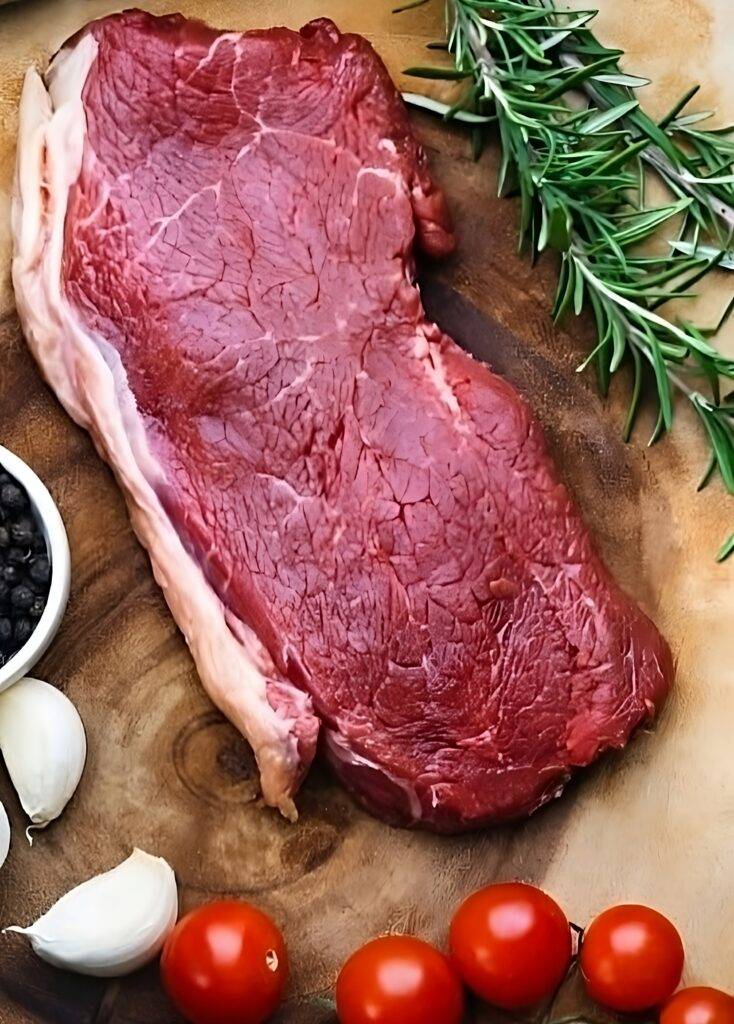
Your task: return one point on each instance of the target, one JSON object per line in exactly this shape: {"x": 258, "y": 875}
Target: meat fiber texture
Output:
{"x": 357, "y": 527}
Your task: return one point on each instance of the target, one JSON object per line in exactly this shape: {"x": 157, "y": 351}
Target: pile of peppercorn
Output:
{"x": 25, "y": 571}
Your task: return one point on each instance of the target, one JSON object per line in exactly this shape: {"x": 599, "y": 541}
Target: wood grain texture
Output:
{"x": 167, "y": 773}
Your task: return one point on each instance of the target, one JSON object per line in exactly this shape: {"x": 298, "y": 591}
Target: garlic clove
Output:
{"x": 111, "y": 924}
{"x": 4, "y": 835}
{"x": 43, "y": 743}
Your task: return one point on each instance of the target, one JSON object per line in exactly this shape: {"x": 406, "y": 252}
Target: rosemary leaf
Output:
{"x": 428, "y": 103}
{"x": 708, "y": 473}
{"x": 409, "y": 6}
{"x": 450, "y": 74}
{"x": 633, "y": 81}
{"x": 603, "y": 118}
{"x": 706, "y": 251}
{"x": 726, "y": 549}
{"x": 629, "y": 423}
{"x": 679, "y": 106}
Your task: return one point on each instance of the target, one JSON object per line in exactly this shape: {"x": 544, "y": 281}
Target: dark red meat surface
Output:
{"x": 379, "y": 507}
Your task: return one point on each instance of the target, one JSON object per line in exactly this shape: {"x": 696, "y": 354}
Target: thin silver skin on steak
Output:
{"x": 358, "y": 527}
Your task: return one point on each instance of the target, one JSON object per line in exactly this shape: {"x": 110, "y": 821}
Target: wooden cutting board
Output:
{"x": 167, "y": 773}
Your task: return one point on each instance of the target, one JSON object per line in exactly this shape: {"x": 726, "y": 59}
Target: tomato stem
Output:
{"x": 579, "y": 934}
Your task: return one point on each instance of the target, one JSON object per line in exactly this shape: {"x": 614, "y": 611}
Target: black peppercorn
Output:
{"x": 12, "y": 498}
{"x": 22, "y": 631}
{"x": 22, "y": 530}
{"x": 16, "y": 556}
{"x": 11, "y": 574}
{"x": 40, "y": 570}
{"x": 4, "y": 537}
{"x": 21, "y": 598}
{"x": 6, "y": 632}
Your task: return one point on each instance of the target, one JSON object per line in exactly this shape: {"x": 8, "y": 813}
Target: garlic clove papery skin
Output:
{"x": 111, "y": 924}
{"x": 44, "y": 746}
{"x": 4, "y": 835}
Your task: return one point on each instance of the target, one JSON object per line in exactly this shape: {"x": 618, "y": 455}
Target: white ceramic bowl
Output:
{"x": 58, "y": 551}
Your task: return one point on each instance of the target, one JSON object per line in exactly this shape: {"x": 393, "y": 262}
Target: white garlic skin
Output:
{"x": 111, "y": 924}
{"x": 4, "y": 835}
{"x": 43, "y": 744}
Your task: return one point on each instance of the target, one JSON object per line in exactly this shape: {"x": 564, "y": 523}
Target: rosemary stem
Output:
{"x": 627, "y": 304}
{"x": 484, "y": 60}
{"x": 655, "y": 157}
{"x": 636, "y": 337}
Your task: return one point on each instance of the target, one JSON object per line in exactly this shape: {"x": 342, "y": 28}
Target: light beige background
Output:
{"x": 657, "y": 826}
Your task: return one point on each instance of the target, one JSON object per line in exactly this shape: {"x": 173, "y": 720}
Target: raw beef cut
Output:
{"x": 357, "y": 527}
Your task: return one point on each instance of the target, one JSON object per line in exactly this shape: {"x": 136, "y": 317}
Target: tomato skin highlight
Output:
{"x": 698, "y": 1005}
{"x": 398, "y": 979}
{"x": 511, "y": 944}
{"x": 631, "y": 959}
{"x": 225, "y": 963}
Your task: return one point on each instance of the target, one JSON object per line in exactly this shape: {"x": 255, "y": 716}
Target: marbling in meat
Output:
{"x": 358, "y": 527}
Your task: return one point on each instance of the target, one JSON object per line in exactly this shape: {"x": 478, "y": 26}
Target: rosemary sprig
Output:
{"x": 580, "y": 178}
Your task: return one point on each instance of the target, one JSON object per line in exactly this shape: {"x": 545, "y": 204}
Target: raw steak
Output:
{"x": 358, "y": 528}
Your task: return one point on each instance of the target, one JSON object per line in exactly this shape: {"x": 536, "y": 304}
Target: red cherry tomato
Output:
{"x": 225, "y": 963}
{"x": 398, "y": 980}
{"x": 631, "y": 959}
{"x": 698, "y": 1006}
{"x": 511, "y": 943}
